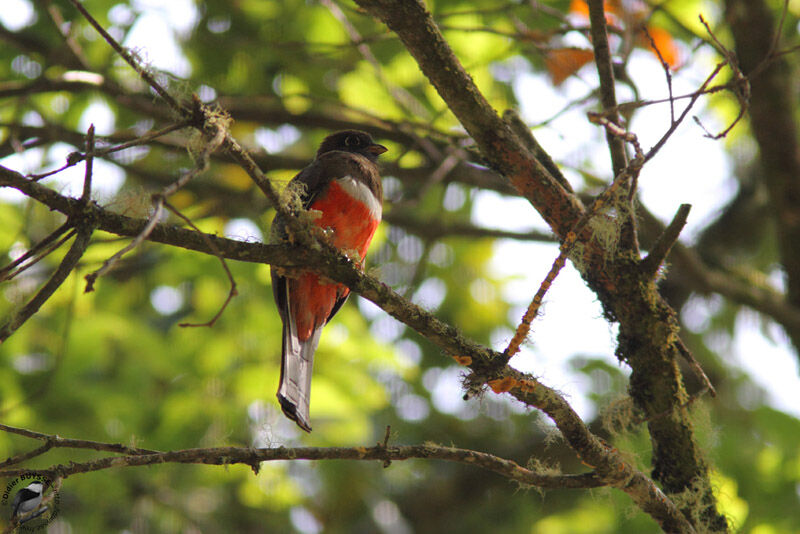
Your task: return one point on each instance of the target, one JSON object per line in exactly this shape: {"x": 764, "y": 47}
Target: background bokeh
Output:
{"x": 114, "y": 366}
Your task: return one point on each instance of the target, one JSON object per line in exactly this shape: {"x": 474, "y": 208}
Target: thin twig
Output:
{"x": 616, "y": 131}
{"x": 138, "y": 240}
{"x": 72, "y": 159}
{"x": 76, "y": 157}
{"x": 524, "y": 327}
{"x": 658, "y": 253}
{"x": 785, "y": 51}
{"x": 69, "y": 262}
{"x": 86, "y": 196}
{"x": 57, "y": 442}
{"x": 692, "y": 100}
{"x": 39, "y": 256}
{"x": 405, "y": 99}
{"x": 625, "y": 107}
{"x": 667, "y": 72}
{"x": 567, "y": 246}
{"x": 150, "y": 136}
{"x": 33, "y": 453}
{"x": 210, "y": 144}
{"x": 34, "y": 251}
{"x": 232, "y": 292}
{"x": 65, "y": 30}
{"x": 695, "y": 365}
{"x": 739, "y": 86}
{"x": 141, "y": 71}
{"x": 771, "y": 53}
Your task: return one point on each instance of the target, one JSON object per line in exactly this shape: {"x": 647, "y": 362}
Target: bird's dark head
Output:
{"x": 354, "y": 141}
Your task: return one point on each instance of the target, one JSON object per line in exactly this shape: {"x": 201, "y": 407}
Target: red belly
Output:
{"x": 353, "y": 227}
{"x": 350, "y": 219}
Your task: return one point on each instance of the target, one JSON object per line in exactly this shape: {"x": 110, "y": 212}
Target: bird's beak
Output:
{"x": 377, "y": 149}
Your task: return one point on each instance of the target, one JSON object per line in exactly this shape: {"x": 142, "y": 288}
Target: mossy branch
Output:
{"x": 133, "y": 456}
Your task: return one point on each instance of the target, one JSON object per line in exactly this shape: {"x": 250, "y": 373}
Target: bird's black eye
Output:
{"x": 352, "y": 140}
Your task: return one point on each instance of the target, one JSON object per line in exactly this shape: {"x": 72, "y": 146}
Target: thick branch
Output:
{"x": 495, "y": 139}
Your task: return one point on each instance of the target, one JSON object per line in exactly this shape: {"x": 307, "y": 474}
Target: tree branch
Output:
{"x": 664, "y": 243}
{"x": 494, "y": 137}
{"x": 69, "y": 262}
{"x": 648, "y": 327}
{"x": 481, "y": 360}
{"x": 52, "y": 441}
{"x": 253, "y": 457}
{"x": 605, "y": 72}
{"x": 646, "y": 320}
{"x": 124, "y": 54}
{"x": 691, "y": 272}
{"x": 608, "y": 99}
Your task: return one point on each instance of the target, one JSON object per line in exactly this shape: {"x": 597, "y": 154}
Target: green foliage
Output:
{"x": 114, "y": 365}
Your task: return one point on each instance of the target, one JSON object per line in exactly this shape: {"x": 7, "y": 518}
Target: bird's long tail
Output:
{"x": 294, "y": 392}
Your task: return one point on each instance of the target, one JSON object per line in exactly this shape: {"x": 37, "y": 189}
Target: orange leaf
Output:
{"x": 580, "y": 7}
{"x": 562, "y": 63}
{"x": 664, "y": 43}
{"x": 501, "y": 385}
{"x": 463, "y": 360}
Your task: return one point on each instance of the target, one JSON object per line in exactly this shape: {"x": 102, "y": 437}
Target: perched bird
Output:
{"x": 28, "y": 499}
{"x": 342, "y": 190}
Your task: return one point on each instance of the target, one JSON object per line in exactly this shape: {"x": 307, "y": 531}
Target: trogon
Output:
{"x": 342, "y": 190}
